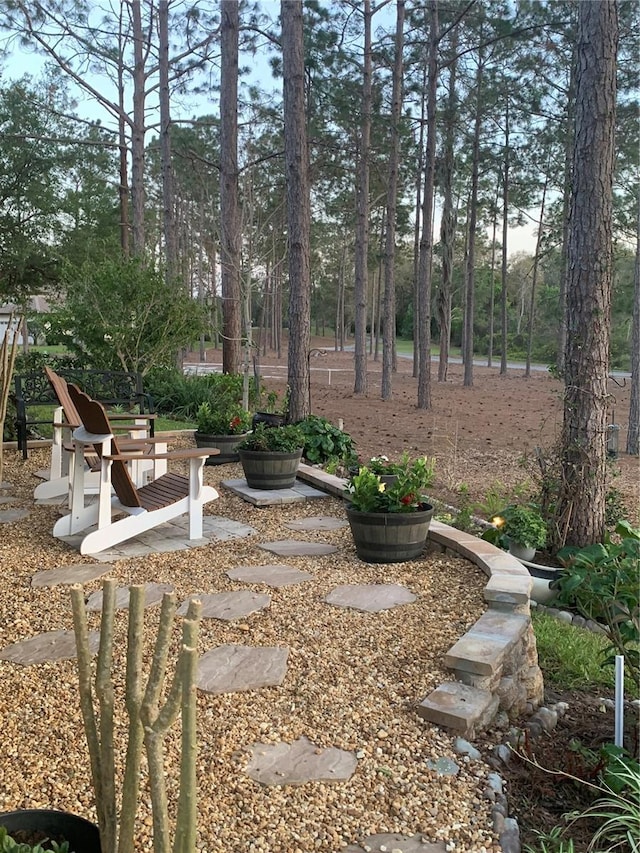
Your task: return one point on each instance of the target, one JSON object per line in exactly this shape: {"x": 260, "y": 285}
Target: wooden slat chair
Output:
{"x": 168, "y": 497}
{"x": 66, "y": 419}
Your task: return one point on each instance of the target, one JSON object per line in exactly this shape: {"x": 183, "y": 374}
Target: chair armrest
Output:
{"x": 130, "y": 416}
{"x": 189, "y": 453}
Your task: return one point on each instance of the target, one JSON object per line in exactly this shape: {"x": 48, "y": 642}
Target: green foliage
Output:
{"x": 601, "y": 582}
{"x": 551, "y": 842}
{"x": 324, "y": 442}
{"x": 617, "y": 810}
{"x": 8, "y": 845}
{"x": 230, "y": 420}
{"x": 570, "y": 657}
{"x": 382, "y": 466}
{"x": 369, "y": 494}
{"x": 279, "y": 439}
{"x": 463, "y": 519}
{"x": 122, "y": 315}
{"x": 523, "y": 523}
{"x": 181, "y": 396}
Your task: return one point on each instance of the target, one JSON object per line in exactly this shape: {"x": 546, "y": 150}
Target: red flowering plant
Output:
{"x": 228, "y": 420}
{"x": 369, "y": 494}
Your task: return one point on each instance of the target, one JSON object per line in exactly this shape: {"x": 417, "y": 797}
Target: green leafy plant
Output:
{"x": 522, "y": 523}
{"x": 233, "y": 420}
{"x": 323, "y": 441}
{"x": 279, "y": 439}
{"x": 369, "y": 494}
{"x": 383, "y": 466}
{"x": 551, "y": 842}
{"x": 601, "y": 583}
{"x": 9, "y": 845}
{"x": 276, "y": 404}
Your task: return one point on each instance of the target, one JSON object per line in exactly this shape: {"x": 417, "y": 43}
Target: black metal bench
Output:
{"x": 111, "y": 388}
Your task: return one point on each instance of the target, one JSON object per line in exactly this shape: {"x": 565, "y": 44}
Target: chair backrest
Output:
{"x": 61, "y": 389}
{"x": 93, "y": 418}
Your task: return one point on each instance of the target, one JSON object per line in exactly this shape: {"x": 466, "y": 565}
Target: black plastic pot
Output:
{"x": 268, "y": 419}
{"x": 82, "y": 835}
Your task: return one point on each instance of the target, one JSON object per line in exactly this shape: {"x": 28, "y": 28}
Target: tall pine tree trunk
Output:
{"x": 168, "y": 219}
{"x": 389, "y": 329}
{"x": 362, "y": 216}
{"x": 581, "y": 505}
{"x": 534, "y": 275}
{"x": 633, "y": 434}
{"x": 230, "y": 228}
{"x": 296, "y": 156}
{"x": 504, "y": 329}
{"x": 138, "y": 131}
{"x": 426, "y": 241}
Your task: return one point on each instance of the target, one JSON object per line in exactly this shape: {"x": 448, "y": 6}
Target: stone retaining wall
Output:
{"x": 495, "y": 663}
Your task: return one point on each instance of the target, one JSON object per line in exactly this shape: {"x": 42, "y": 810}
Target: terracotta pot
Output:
{"x": 82, "y": 835}
{"x": 389, "y": 537}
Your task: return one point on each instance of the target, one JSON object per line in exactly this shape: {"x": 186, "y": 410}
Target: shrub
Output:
{"x": 233, "y": 420}
{"x": 369, "y": 494}
{"x": 324, "y": 442}
{"x": 601, "y": 583}
{"x": 280, "y": 439}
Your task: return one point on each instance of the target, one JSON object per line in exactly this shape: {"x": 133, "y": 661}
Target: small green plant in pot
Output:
{"x": 390, "y": 522}
{"x": 270, "y": 456}
{"x": 222, "y": 428}
{"x": 524, "y": 528}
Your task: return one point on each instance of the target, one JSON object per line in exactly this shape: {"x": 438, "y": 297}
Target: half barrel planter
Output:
{"x": 226, "y": 444}
{"x": 268, "y": 469}
{"x": 82, "y": 835}
{"x": 389, "y": 537}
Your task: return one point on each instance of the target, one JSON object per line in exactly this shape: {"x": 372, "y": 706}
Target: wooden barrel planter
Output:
{"x": 226, "y": 444}
{"x": 34, "y": 825}
{"x": 270, "y": 469}
{"x": 389, "y": 537}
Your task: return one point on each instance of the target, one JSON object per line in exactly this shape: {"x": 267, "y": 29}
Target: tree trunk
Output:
{"x": 426, "y": 241}
{"x": 633, "y": 433}
{"x": 229, "y": 206}
{"x": 449, "y": 217}
{"x": 137, "y": 132}
{"x": 492, "y": 296}
{"x": 168, "y": 219}
{"x": 581, "y": 505}
{"x": 473, "y": 216}
{"x": 362, "y": 216}
{"x": 566, "y": 201}
{"x": 296, "y": 155}
{"x": 504, "y": 329}
{"x": 534, "y": 275}
{"x": 389, "y": 329}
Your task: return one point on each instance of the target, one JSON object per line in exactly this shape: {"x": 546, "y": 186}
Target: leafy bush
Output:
{"x": 233, "y": 420}
{"x": 181, "y": 396}
{"x": 369, "y": 494}
{"x": 324, "y": 442}
{"x": 280, "y": 439}
{"x": 601, "y": 582}
{"x": 521, "y": 523}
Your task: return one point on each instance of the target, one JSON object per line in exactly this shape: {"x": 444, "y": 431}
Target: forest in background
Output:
{"x": 77, "y": 192}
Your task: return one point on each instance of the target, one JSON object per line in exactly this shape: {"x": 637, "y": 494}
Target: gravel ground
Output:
{"x": 353, "y": 682}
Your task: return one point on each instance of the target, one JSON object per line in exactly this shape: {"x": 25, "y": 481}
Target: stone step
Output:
{"x": 481, "y": 651}
{"x": 459, "y": 707}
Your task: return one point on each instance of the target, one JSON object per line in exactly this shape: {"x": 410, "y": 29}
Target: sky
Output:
{"x": 20, "y": 62}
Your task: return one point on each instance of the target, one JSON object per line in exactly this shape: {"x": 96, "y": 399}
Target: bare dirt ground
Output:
{"x": 479, "y": 435}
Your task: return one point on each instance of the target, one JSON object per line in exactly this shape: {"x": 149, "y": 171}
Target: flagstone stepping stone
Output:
{"x": 228, "y": 605}
{"x": 42, "y": 474}
{"x": 299, "y": 762}
{"x": 231, "y": 668}
{"x": 6, "y": 487}
{"x": 7, "y": 500}
{"x": 316, "y": 522}
{"x": 76, "y": 573}
{"x": 9, "y": 515}
{"x": 275, "y": 575}
{"x": 371, "y": 597}
{"x": 153, "y": 593}
{"x": 51, "y": 646}
{"x": 298, "y": 548}
{"x": 392, "y": 843}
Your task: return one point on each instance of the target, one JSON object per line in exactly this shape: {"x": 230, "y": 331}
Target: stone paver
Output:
{"x": 459, "y": 707}
{"x": 272, "y": 497}
{"x": 229, "y": 668}
{"x": 228, "y": 605}
{"x": 389, "y": 842}
{"x": 76, "y": 573}
{"x": 298, "y": 548}
{"x": 7, "y": 516}
{"x": 51, "y": 646}
{"x": 8, "y": 500}
{"x": 153, "y": 593}
{"x": 370, "y": 597}
{"x": 275, "y": 575}
{"x": 172, "y": 536}
{"x": 316, "y": 522}
{"x": 299, "y": 762}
